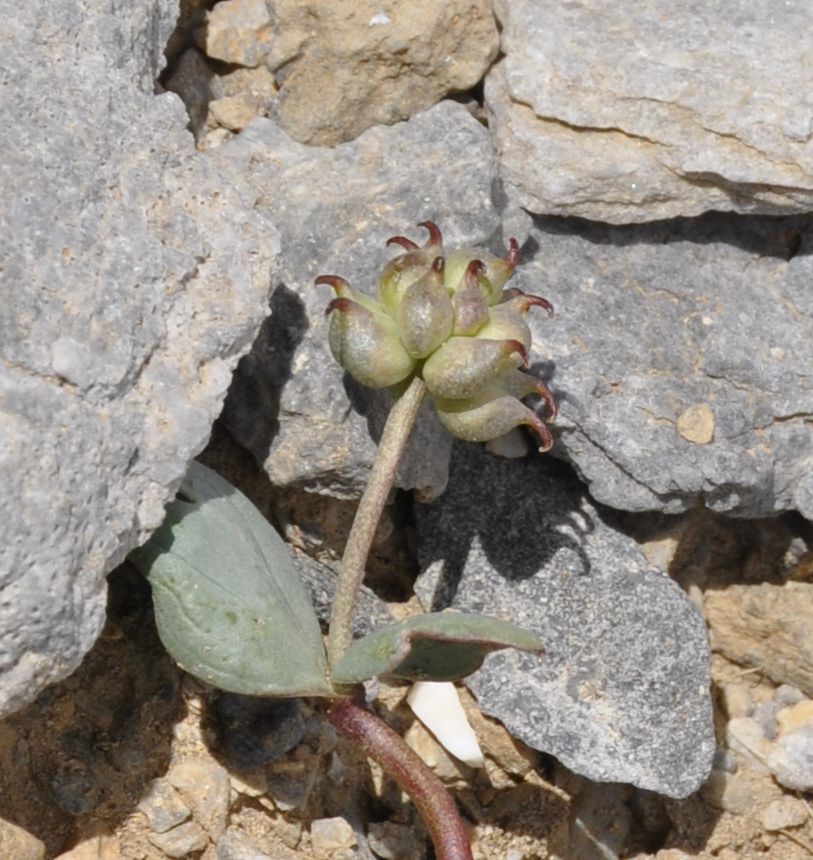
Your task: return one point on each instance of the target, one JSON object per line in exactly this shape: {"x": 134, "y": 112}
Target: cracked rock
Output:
{"x": 670, "y": 111}
{"x": 681, "y": 356}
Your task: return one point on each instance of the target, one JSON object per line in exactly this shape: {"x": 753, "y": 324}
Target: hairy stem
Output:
{"x": 386, "y": 747}
{"x": 390, "y": 449}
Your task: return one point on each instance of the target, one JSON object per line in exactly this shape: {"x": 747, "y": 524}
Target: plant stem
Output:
{"x": 386, "y": 747}
{"x": 382, "y": 475}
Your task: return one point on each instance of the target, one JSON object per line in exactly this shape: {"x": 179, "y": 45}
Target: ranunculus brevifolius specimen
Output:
{"x": 451, "y": 321}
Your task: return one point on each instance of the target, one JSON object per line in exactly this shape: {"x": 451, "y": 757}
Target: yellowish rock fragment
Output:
{"x": 696, "y": 424}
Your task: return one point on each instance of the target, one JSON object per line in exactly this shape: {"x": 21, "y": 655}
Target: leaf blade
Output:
{"x": 437, "y": 646}
{"x": 229, "y": 605}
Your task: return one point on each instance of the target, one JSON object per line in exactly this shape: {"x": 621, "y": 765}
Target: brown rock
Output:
{"x": 769, "y": 626}
{"x": 361, "y": 63}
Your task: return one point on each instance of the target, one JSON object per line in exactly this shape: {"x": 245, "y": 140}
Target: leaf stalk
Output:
{"x": 399, "y": 424}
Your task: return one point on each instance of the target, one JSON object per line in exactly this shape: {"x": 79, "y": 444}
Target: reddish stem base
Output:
{"x": 390, "y": 751}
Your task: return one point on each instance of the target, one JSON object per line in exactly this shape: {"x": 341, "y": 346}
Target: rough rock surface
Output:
{"x": 670, "y": 111}
{"x": 766, "y": 625}
{"x": 681, "y": 355}
{"x": 335, "y": 209}
{"x": 138, "y": 281}
{"x": 351, "y": 64}
{"x": 622, "y": 693}
{"x": 237, "y": 32}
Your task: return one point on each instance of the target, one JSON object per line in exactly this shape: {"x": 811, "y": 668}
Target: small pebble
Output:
{"x": 181, "y": 840}
{"x": 785, "y": 812}
{"x": 238, "y": 31}
{"x": 331, "y": 834}
{"x": 739, "y": 793}
{"x": 791, "y": 759}
{"x": 787, "y": 695}
{"x": 163, "y": 806}
{"x": 696, "y": 424}
{"x": 236, "y": 845}
{"x": 18, "y": 843}
{"x": 744, "y": 737}
{"x": 204, "y": 785}
{"x": 765, "y": 717}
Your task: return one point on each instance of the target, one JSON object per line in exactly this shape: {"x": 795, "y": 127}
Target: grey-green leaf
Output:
{"x": 438, "y": 646}
{"x": 229, "y": 605}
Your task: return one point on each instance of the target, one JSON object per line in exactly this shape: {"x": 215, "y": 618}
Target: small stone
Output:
{"x": 672, "y": 854}
{"x": 696, "y": 424}
{"x": 181, "y": 840}
{"x": 796, "y": 716}
{"x": 205, "y": 786}
{"x": 744, "y": 737}
{"x": 787, "y": 695}
{"x": 392, "y": 841}
{"x": 740, "y": 793}
{"x": 785, "y": 812}
{"x": 237, "y": 31}
{"x": 236, "y": 845}
{"x": 232, "y": 112}
{"x": 764, "y": 716}
{"x": 331, "y": 834}
{"x": 18, "y": 843}
{"x": 163, "y": 806}
{"x": 791, "y": 759}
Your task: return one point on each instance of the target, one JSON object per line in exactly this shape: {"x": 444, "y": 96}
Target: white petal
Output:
{"x": 437, "y": 705}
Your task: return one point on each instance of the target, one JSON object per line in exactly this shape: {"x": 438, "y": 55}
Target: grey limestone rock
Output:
{"x": 622, "y": 692}
{"x": 335, "y": 208}
{"x": 133, "y": 281}
{"x": 673, "y": 110}
{"x": 681, "y": 355}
